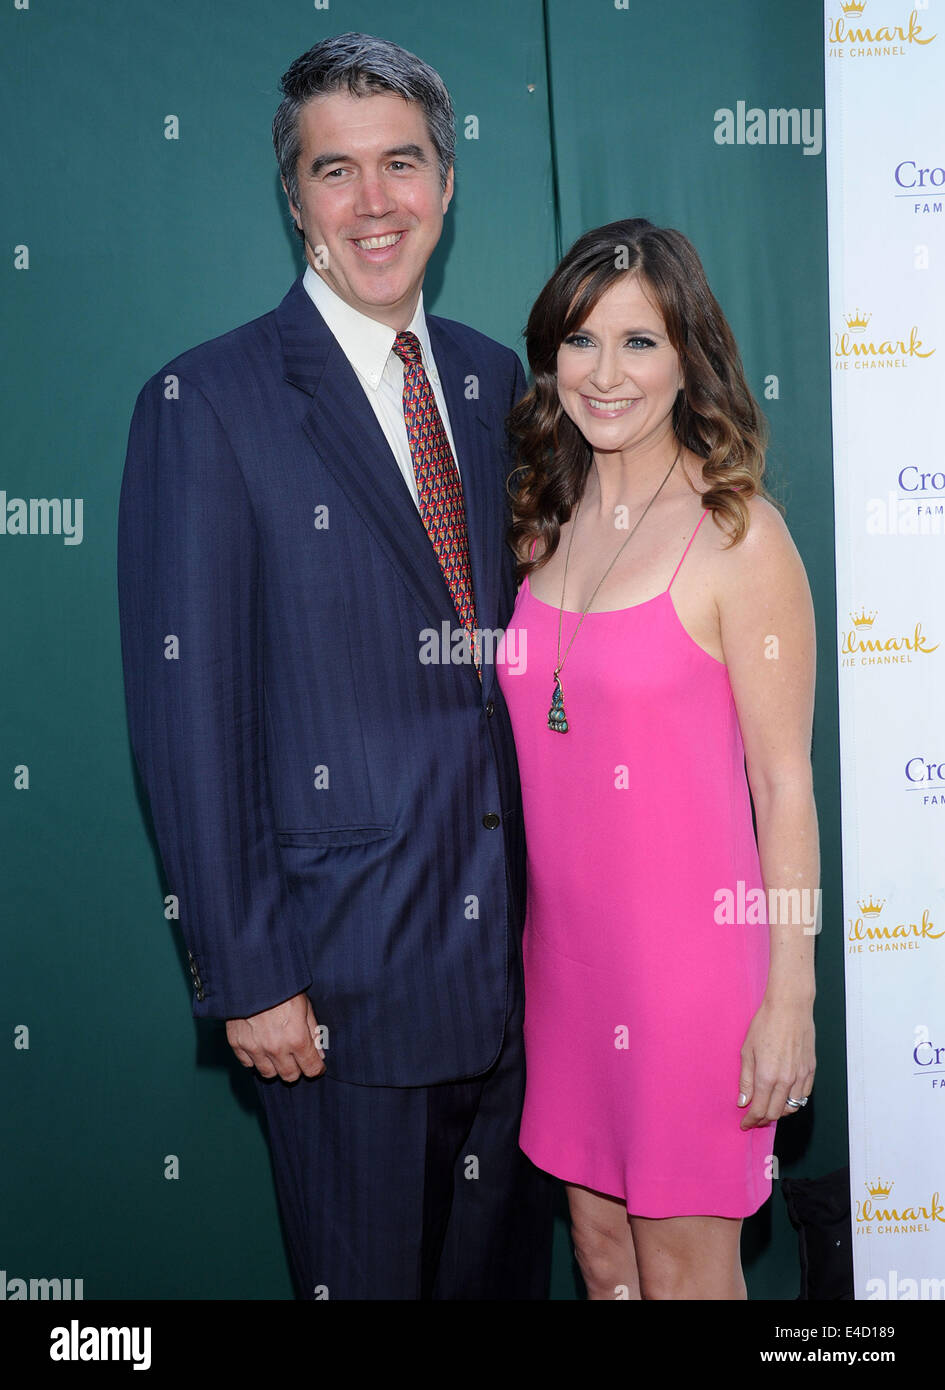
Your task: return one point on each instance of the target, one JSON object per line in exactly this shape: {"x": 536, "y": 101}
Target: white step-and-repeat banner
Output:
{"x": 885, "y": 126}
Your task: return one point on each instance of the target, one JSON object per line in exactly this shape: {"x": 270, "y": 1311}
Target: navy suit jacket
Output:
{"x": 334, "y": 815}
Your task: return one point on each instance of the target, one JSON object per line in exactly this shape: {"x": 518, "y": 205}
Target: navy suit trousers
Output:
{"x": 414, "y": 1192}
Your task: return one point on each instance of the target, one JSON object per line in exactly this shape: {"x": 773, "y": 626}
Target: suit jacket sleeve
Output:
{"x": 520, "y": 385}
{"x": 188, "y": 579}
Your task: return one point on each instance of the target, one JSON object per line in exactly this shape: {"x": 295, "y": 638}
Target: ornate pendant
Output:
{"x": 557, "y": 719}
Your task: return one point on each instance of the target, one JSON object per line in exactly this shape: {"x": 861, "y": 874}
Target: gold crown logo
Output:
{"x": 871, "y": 908}
{"x": 864, "y": 619}
{"x": 853, "y": 6}
{"x": 857, "y": 321}
{"x": 879, "y": 1188}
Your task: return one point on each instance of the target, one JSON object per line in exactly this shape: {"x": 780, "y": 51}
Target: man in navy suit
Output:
{"x": 313, "y": 509}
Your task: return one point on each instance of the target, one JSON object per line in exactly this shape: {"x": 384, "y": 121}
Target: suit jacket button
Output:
{"x": 490, "y": 708}
{"x": 491, "y": 821}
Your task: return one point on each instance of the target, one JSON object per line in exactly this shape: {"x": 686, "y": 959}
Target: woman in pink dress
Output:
{"x": 663, "y": 682}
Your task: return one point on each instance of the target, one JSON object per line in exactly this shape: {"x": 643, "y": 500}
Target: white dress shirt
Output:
{"x": 368, "y": 346}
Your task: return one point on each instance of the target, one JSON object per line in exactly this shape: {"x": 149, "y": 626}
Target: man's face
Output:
{"x": 369, "y": 192}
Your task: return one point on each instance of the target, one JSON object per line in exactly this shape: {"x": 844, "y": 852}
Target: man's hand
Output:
{"x": 281, "y": 1041}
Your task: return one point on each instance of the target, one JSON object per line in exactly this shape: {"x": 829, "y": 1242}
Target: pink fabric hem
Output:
{"x": 659, "y": 1199}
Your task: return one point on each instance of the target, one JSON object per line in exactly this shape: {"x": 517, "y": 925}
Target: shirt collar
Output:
{"x": 366, "y": 343}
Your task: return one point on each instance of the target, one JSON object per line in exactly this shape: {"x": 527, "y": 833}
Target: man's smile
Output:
{"x": 378, "y": 248}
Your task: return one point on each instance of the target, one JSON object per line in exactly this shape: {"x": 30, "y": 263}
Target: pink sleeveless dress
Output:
{"x": 639, "y": 987}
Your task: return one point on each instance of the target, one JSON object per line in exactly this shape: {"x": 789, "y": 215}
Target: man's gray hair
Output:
{"x": 363, "y": 66}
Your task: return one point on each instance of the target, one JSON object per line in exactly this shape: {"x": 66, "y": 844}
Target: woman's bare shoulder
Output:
{"x": 765, "y": 558}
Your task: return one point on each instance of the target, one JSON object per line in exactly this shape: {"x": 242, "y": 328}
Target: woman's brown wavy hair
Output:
{"x": 715, "y": 414}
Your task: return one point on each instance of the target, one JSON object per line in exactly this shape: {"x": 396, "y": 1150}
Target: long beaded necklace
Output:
{"x": 557, "y": 719}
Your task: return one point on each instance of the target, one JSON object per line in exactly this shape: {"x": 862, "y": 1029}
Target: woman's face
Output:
{"x": 618, "y": 373}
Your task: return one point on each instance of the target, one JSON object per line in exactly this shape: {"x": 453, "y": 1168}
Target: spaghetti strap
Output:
{"x": 686, "y": 551}
{"x": 531, "y": 555}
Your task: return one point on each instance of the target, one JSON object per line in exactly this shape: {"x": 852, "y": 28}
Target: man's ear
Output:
{"x": 448, "y": 190}
{"x": 292, "y": 208}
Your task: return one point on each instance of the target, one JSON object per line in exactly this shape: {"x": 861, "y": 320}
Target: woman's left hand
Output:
{"x": 777, "y": 1061}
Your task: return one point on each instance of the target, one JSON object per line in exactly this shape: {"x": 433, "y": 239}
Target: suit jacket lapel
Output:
{"x": 344, "y": 430}
{"x": 480, "y": 475}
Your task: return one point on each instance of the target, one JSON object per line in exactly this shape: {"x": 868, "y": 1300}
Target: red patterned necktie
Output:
{"x": 438, "y": 486}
